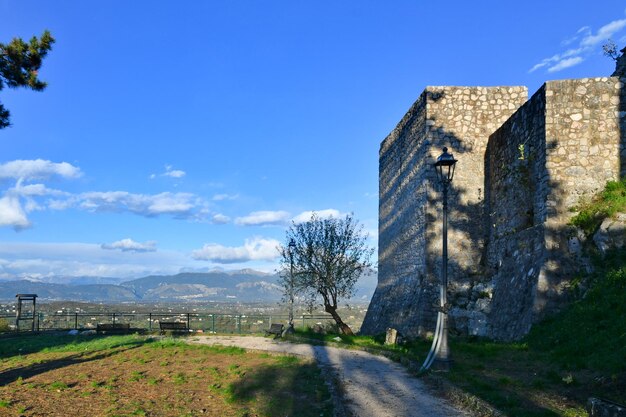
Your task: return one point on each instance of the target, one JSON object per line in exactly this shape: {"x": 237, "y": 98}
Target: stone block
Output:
{"x": 393, "y": 337}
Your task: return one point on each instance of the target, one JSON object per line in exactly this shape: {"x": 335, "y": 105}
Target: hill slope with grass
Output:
{"x": 573, "y": 355}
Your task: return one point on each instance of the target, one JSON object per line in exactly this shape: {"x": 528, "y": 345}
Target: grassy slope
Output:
{"x": 578, "y": 353}
{"x": 569, "y": 357}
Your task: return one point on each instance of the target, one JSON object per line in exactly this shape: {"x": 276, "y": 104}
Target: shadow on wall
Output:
{"x": 410, "y": 228}
{"x": 399, "y": 298}
{"x": 620, "y": 72}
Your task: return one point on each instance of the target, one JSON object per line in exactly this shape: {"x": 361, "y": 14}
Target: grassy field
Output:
{"x": 138, "y": 376}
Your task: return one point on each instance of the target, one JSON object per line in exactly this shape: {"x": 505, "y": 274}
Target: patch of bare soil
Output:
{"x": 160, "y": 380}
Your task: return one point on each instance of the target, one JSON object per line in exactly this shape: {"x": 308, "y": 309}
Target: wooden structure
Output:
{"x": 173, "y": 326}
{"x": 276, "y": 329}
{"x": 21, "y": 317}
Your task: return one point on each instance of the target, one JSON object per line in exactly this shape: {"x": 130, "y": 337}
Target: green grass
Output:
{"x": 282, "y": 375}
{"x": 59, "y": 386}
{"x": 606, "y": 204}
{"x": 372, "y": 343}
{"x": 591, "y": 333}
{"x": 137, "y": 376}
{"x": 23, "y": 345}
{"x": 565, "y": 359}
{"x": 180, "y": 378}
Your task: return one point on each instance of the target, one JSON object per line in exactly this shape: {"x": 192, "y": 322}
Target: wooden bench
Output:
{"x": 113, "y": 327}
{"x": 173, "y": 326}
{"x": 276, "y": 329}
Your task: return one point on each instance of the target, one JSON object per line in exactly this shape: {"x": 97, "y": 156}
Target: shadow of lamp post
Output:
{"x": 440, "y": 351}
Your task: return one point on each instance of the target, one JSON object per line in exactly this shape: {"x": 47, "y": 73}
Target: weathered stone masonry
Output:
{"x": 522, "y": 166}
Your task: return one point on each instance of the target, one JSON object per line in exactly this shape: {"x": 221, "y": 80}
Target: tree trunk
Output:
{"x": 343, "y": 327}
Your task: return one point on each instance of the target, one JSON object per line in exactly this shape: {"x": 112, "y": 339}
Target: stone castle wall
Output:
{"x": 522, "y": 167}
{"x": 402, "y": 244}
{"x": 516, "y": 181}
{"x": 408, "y": 267}
{"x": 585, "y": 148}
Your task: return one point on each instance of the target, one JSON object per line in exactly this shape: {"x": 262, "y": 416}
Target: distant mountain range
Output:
{"x": 244, "y": 286}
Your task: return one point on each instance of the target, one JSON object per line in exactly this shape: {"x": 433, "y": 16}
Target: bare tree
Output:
{"x": 328, "y": 257}
{"x": 610, "y": 49}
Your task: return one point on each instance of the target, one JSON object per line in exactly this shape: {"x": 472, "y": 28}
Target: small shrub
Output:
{"x": 59, "y": 386}
{"x": 136, "y": 376}
{"x": 4, "y": 325}
{"x": 180, "y": 378}
{"x": 610, "y": 201}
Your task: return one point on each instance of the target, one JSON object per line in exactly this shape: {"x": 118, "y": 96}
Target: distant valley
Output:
{"x": 238, "y": 286}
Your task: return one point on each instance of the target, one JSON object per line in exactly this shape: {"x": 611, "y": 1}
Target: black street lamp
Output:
{"x": 291, "y": 249}
{"x": 440, "y": 351}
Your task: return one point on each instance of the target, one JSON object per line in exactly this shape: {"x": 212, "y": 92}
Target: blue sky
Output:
{"x": 188, "y": 135}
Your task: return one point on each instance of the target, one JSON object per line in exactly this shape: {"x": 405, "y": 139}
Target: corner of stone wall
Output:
{"x": 585, "y": 148}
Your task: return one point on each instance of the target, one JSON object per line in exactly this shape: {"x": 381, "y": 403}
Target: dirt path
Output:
{"x": 371, "y": 386}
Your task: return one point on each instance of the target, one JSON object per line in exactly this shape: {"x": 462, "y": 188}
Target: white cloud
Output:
{"x": 221, "y": 197}
{"x": 12, "y": 214}
{"x": 61, "y": 204}
{"x": 254, "y": 249}
{"x": 170, "y": 172}
{"x": 587, "y": 45}
{"x": 35, "y": 190}
{"x": 220, "y": 219}
{"x": 38, "y": 169}
{"x": 565, "y": 63}
{"x": 305, "y": 216}
{"x": 558, "y": 59}
{"x": 179, "y": 205}
{"x": 24, "y": 198}
{"x": 537, "y": 66}
{"x": 263, "y": 218}
{"x": 604, "y": 33}
{"x": 574, "y": 38}
{"x": 129, "y": 245}
{"x": 176, "y": 173}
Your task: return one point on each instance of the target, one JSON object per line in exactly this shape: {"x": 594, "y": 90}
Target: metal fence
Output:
{"x": 198, "y": 322}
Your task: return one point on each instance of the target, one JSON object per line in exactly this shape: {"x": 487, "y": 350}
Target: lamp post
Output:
{"x": 440, "y": 351}
{"x": 291, "y": 249}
